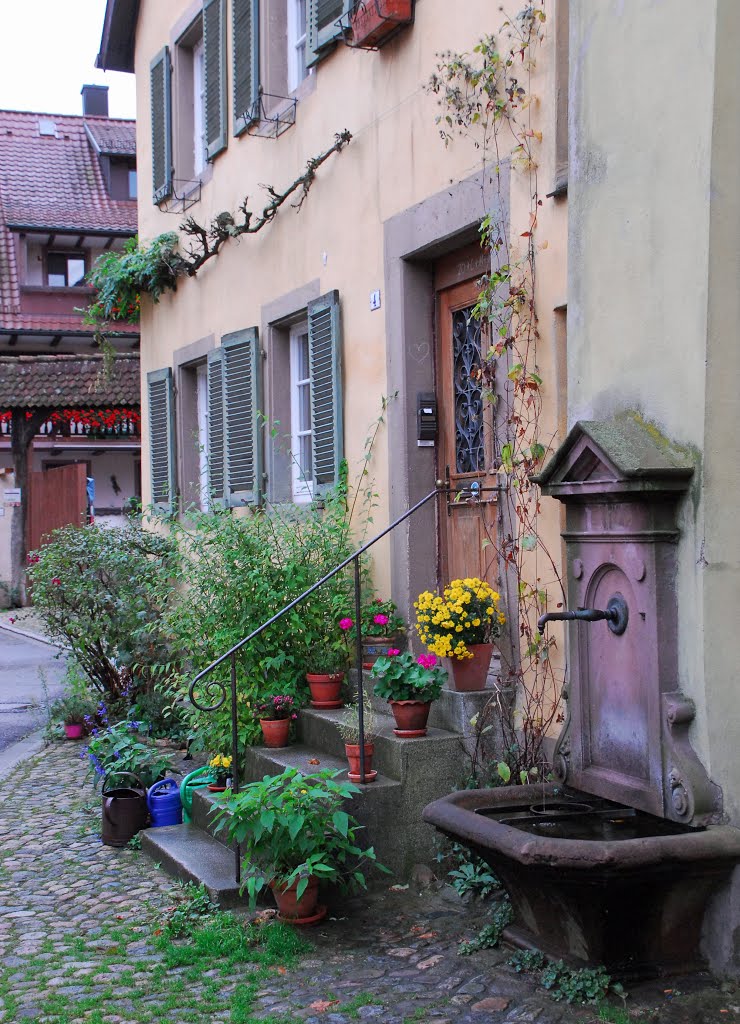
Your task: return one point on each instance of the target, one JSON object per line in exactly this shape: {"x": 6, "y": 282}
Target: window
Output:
{"x": 322, "y": 29}
{"x": 201, "y": 400}
{"x": 245, "y": 48}
{"x": 301, "y": 434}
{"x": 198, "y": 140}
{"x": 132, "y": 183}
{"x": 160, "y": 98}
{"x": 161, "y": 439}
{"x": 121, "y": 177}
{"x": 296, "y": 34}
{"x": 65, "y": 270}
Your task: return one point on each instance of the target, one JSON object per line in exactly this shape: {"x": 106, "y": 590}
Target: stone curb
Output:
{"x": 32, "y": 744}
{"x": 28, "y": 635}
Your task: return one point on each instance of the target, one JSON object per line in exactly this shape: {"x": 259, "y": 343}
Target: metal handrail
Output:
{"x": 219, "y": 689}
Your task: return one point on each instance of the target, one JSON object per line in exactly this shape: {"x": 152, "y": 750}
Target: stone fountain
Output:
{"x": 614, "y": 862}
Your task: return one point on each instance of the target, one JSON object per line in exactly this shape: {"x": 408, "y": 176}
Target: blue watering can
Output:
{"x": 195, "y": 780}
{"x": 165, "y": 806}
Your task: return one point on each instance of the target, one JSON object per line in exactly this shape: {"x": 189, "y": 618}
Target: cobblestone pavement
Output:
{"x": 78, "y": 942}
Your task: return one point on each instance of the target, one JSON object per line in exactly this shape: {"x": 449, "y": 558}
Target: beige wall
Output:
{"x": 655, "y": 296}
{"x": 395, "y": 161}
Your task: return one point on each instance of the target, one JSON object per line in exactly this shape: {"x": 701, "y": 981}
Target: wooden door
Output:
{"x": 468, "y": 519}
{"x": 57, "y": 497}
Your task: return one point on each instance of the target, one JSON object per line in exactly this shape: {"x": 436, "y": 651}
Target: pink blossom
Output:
{"x": 11, "y": 620}
{"x": 56, "y": 581}
{"x": 427, "y": 660}
{"x": 346, "y": 624}
{"x": 392, "y": 652}
{"x": 380, "y": 620}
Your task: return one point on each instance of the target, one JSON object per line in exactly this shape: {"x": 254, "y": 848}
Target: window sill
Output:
{"x": 51, "y": 289}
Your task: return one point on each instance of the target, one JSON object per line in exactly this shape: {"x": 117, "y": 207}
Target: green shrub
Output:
{"x": 103, "y": 593}
{"x": 122, "y": 748}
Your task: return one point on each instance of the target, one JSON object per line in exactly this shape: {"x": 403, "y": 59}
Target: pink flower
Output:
{"x": 380, "y": 620}
{"x": 427, "y": 660}
{"x": 392, "y": 652}
{"x": 11, "y": 620}
{"x": 346, "y": 624}
{"x": 56, "y": 581}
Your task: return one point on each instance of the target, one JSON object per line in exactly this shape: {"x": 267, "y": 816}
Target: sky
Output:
{"x": 47, "y": 53}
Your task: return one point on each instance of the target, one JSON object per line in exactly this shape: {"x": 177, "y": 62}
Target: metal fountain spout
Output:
{"x": 616, "y": 615}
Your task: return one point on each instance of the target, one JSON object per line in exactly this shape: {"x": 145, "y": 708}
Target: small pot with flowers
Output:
{"x": 328, "y": 663}
{"x": 221, "y": 765}
{"x": 349, "y": 730}
{"x": 461, "y": 625}
{"x": 275, "y": 714}
{"x": 74, "y": 710}
{"x": 382, "y": 628}
{"x": 409, "y": 684}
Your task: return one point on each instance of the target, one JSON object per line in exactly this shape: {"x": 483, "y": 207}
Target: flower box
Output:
{"x": 373, "y": 22}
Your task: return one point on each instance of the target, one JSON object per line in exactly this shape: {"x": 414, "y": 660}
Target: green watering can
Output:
{"x": 200, "y": 777}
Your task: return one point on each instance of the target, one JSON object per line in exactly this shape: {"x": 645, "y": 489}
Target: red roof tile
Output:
{"x": 43, "y": 324}
{"x": 114, "y": 138}
{"x": 55, "y": 180}
{"x": 39, "y": 382}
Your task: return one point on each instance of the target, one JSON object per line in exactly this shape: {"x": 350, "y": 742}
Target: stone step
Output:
{"x": 192, "y": 855}
{"x": 401, "y": 759}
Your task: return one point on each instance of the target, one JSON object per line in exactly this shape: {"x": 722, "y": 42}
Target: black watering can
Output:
{"x": 124, "y": 809}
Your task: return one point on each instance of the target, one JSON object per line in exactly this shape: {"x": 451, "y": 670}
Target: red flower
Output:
{"x": 56, "y": 581}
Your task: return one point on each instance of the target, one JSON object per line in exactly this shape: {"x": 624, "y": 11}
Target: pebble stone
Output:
{"x": 388, "y": 956}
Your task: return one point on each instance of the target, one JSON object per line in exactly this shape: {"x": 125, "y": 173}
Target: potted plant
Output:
{"x": 294, "y": 832}
{"x": 409, "y": 684}
{"x": 461, "y": 625}
{"x": 221, "y": 765}
{"x": 119, "y": 748}
{"x": 373, "y": 22}
{"x": 73, "y": 709}
{"x": 382, "y": 628}
{"x": 349, "y": 730}
{"x": 275, "y": 714}
{"x": 328, "y": 663}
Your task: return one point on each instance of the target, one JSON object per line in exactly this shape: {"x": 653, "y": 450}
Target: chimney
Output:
{"x": 95, "y": 100}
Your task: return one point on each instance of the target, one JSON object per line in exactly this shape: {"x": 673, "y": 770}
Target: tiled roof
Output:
{"x": 55, "y": 180}
{"x": 37, "y": 323}
{"x": 114, "y": 138}
{"x": 37, "y": 382}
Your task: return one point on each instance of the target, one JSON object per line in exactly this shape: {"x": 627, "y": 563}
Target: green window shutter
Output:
{"x": 160, "y": 81}
{"x": 216, "y": 465}
{"x": 321, "y": 27}
{"x": 325, "y": 363}
{"x": 214, "y": 48}
{"x": 242, "y": 395}
{"x": 245, "y": 54}
{"x": 162, "y": 438}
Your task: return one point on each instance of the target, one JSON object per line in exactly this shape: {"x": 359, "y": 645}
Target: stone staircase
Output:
{"x": 411, "y": 773}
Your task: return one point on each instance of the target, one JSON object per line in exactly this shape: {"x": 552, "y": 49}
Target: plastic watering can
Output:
{"x": 124, "y": 809}
{"x": 165, "y": 806}
{"x": 200, "y": 777}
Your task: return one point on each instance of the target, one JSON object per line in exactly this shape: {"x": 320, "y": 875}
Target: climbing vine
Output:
{"x": 486, "y": 97}
{"x": 154, "y": 268}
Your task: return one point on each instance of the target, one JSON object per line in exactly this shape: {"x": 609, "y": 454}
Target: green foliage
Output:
{"x": 379, "y": 618}
{"x": 614, "y": 1015}
{"x": 102, "y": 593}
{"x": 163, "y": 714}
{"x": 120, "y": 748}
{"x": 587, "y": 985}
{"x": 293, "y": 826}
{"x": 349, "y": 724}
{"x": 120, "y": 278}
{"x": 471, "y": 875}
{"x": 490, "y": 934}
{"x": 192, "y": 906}
{"x": 77, "y": 703}
{"x": 525, "y": 961}
{"x": 239, "y": 571}
{"x": 406, "y": 677}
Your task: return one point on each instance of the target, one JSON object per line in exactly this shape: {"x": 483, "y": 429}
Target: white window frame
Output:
{"x": 301, "y": 484}
{"x": 199, "y": 109}
{"x": 296, "y": 36}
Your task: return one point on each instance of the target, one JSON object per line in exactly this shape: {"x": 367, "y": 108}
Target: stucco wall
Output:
{"x": 395, "y": 161}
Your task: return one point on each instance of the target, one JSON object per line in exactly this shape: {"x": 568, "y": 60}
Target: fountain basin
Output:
{"x": 608, "y": 885}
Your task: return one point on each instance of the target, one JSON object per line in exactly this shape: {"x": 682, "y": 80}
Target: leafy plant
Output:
{"x": 192, "y": 906}
{"x": 377, "y": 618}
{"x": 490, "y": 934}
{"x": 118, "y": 748}
{"x": 584, "y": 985}
{"x": 103, "y": 593}
{"x": 349, "y": 723}
{"x": 406, "y": 677}
{"x": 472, "y": 875}
{"x": 525, "y": 961}
{"x": 276, "y": 708}
{"x": 292, "y": 827}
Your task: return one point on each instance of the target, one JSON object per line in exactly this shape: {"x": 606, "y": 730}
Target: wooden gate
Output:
{"x": 57, "y": 497}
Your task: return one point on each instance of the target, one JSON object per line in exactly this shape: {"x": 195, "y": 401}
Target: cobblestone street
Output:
{"x": 79, "y": 924}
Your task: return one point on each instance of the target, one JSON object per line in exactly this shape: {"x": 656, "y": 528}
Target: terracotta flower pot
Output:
{"x": 411, "y": 717}
{"x": 374, "y": 647}
{"x": 74, "y": 731}
{"x": 352, "y": 751}
{"x": 276, "y": 732}
{"x": 325, "y": 689}
{"x": 470, "y": 674}
{"x": 298, "y": 911}
{"x": 374, "y": 20}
